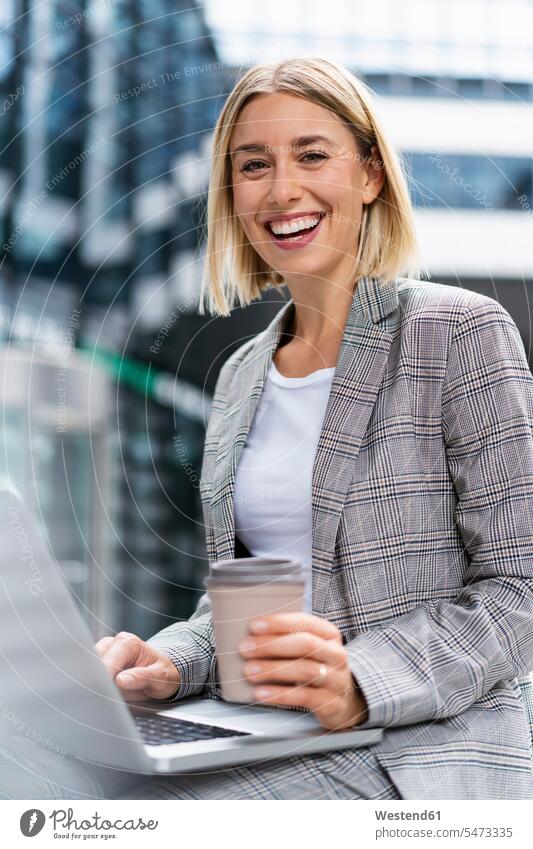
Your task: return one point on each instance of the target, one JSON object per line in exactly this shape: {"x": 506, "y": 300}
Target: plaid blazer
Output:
{"x": 422, "y": 506}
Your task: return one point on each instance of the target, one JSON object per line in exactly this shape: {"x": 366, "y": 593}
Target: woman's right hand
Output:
{"x": 139, "y": 670}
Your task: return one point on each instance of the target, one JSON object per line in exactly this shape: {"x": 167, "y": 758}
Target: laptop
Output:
{"x": 55, "y": 686}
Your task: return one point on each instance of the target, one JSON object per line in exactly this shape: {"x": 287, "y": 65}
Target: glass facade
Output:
{"x": 438, "y": 179}
{"x": 107, "y": 112}
{"x": 459, "y": 88}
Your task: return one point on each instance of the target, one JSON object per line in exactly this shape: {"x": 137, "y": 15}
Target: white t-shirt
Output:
{"x": 272, "y": 494}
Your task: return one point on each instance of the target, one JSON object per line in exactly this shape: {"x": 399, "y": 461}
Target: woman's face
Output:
{"x": 296, "y": 167}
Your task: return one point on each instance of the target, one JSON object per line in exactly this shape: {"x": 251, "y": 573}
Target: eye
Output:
{"x": 252, "y": 170}
{"x": 315, "y": 153}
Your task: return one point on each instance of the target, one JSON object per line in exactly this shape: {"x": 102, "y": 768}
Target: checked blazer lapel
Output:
{"x": 360, "y": 367}
{"x": 358, "y": 374}
{"x": 240, "y": 408}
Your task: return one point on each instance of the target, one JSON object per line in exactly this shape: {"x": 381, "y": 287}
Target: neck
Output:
{"x": 320, "y": 312}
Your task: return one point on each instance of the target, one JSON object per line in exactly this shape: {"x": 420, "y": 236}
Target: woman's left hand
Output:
{"x": 298, "y": 660}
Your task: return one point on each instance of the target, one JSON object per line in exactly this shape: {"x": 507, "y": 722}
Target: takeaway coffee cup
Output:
{"x": 241, "y": 590}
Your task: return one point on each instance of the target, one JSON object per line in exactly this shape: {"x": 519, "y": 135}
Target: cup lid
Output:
{"x": 254, "y": 570}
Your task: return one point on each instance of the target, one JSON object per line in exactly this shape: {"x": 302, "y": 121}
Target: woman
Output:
{"x": 379, "y": 430}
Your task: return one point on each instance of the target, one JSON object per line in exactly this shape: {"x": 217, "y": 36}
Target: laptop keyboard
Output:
{"x": 158, "y": 730}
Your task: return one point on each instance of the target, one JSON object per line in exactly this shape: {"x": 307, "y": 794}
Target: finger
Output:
{"x": 103, "y": 645}
{"x": 135, "y": 695}
{"x": 323, "y": 703}
{"x": 296, "y": 646}
{"x": 291, "y": 623}
{"x": 153, "y": 680}
{"x": 123, "y": 653}
{"x": 281, "y": 671}
{"x": 312, "y": 698}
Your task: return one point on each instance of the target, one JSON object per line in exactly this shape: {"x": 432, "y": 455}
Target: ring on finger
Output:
{"x": 321, "y": 677}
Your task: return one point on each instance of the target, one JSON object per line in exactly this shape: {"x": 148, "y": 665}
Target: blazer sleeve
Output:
{"x": 442, "y": 656}
{"x": 190, "y": 645}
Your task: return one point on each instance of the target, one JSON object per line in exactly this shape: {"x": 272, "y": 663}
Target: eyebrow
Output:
{"x": 302, "y": 141}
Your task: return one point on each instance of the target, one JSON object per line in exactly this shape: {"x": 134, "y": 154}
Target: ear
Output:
{"x": 374, "y": 176}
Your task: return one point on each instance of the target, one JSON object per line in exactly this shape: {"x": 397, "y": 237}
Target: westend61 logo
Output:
{"x": 66, "y": 826}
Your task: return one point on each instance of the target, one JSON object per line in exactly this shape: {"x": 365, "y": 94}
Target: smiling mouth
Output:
{"x": 296, "y": 234}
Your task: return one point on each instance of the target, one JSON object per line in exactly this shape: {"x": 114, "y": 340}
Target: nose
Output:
{"x": 284, "y": 186}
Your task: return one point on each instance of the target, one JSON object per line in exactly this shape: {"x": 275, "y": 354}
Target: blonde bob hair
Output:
{"x": 234, "y": 273}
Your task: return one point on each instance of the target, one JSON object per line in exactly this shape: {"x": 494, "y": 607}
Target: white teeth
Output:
{"x": 283, "y": 228}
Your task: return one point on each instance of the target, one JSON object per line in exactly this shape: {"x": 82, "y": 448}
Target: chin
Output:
{"x": 303, "y": 270}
